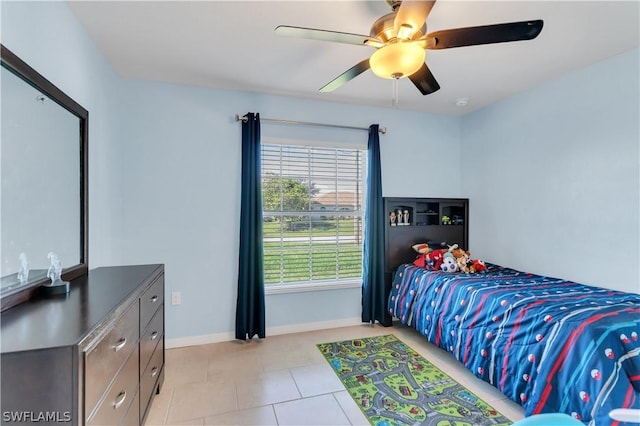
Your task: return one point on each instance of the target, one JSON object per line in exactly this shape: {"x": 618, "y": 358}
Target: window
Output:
{"x": 312, "y": 215}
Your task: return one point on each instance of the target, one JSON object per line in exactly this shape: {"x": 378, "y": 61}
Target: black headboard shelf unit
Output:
{"x": 411, "y": 221}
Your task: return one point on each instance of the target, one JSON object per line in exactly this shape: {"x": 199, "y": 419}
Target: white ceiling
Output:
{"x": 232, "y": 45}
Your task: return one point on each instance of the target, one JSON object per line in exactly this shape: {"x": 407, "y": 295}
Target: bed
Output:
{"x": 549, "y": 344}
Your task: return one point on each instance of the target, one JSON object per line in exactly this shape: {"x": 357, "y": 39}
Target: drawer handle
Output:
{"x": 120, "y": 344}
{"x": 154, "y": 371}
{"x": 154, "y": 335}
{"x": 154, "y": 299}
{"x": 119, "y": 399}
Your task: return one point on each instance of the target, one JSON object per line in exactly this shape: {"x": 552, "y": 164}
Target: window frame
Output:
{"x": 328, "y": 284}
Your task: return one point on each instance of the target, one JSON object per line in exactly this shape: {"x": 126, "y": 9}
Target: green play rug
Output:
{"x": 393, "y": 385}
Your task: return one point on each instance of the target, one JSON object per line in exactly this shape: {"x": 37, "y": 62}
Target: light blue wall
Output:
{"x": 48, "y": 37}
{"x": 181, "y": 171}
{"x": 554, "y": 176}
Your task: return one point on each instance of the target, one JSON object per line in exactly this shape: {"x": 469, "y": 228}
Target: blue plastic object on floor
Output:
{"x": 549, "y": 419}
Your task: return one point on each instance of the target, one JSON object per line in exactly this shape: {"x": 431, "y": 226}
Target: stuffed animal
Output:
{"x": 456, "y": 251}
{"x": 427, "y": 258}
{"x": 422, "y": 249}
{"x": 453, "y": 259}
{"x": 449, "y": 263}
{"x": 434, "y": 259}
{"x": 462, "y": 258}
{"x": 464, "y": 263}
{"x": 478, "y": 265}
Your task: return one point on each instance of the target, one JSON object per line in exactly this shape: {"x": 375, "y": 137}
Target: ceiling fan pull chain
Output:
{"x": 394, "y": 93}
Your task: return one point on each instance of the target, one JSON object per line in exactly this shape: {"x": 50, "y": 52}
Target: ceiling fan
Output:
{"x": 400, "y": 40}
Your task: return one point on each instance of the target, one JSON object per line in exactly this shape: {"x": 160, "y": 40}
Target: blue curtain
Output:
{"x": 250, "y": 311}
{"x": 374, "y": 291}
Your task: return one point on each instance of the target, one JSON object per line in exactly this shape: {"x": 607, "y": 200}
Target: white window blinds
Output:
{"x": 312, "y": 213}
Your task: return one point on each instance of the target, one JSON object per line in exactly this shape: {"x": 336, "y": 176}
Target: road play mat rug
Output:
{"x": 393, "y": 385}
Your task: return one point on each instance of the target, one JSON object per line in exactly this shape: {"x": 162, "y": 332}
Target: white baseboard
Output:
{"x": 312, "y": 326}
{"x": 204, "y": 339}
{"x": 271, "y": 331}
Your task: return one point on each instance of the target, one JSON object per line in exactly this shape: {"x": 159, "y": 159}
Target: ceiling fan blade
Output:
{"x": 411, "y": 17}
{"x": 349, "y": 74}
{"x": 424, "y": 80}
{"x": 487, "y": 34}
{"x": 326, "y": 35}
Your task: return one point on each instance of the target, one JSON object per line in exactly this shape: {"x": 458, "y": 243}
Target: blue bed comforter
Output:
{"x": 549, "y": 344}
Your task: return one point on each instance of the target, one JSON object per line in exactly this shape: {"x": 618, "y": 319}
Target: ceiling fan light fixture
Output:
{"x": 405, "y": 32}
{"x": 397, "y": 60}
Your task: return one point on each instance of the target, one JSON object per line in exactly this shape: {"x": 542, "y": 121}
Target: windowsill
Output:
{"x": 312, "y": 286}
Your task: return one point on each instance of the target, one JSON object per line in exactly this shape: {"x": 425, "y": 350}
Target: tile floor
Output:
{"x": 282, "y": 380}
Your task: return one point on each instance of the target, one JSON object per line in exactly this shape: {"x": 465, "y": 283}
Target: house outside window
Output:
{"x": 313, "y": 210}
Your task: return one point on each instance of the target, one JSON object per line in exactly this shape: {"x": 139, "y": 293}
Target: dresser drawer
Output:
{"x": 149, "y": 340}
{"x": 132, "y": 418}
{"x": 105, "y": 359}
{"x": 120, "y": 396}
{"x": 150, "y": 300}
{"x": 150, "y": 376}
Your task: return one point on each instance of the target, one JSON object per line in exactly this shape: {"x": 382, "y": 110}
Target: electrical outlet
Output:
{"x": 176, "y": 298}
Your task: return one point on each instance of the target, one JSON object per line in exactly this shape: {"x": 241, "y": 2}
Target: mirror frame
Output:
{"x": 30, "y": 76}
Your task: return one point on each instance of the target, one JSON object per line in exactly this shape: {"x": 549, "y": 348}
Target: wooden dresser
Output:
{"x": 94, "y": 356}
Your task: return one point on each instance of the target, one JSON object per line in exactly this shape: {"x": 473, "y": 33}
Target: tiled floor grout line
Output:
{"x": 333, "y": 394}
{"x": 166, "y": 414}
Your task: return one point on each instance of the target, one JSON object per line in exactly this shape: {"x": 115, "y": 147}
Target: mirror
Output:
{"x": 43, "y": 163}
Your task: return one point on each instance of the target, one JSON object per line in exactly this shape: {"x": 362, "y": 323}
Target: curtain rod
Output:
{"x": 243, "y": 118}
